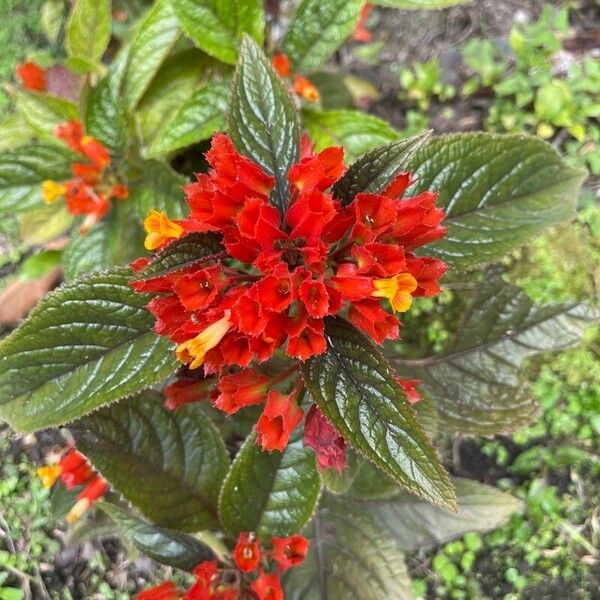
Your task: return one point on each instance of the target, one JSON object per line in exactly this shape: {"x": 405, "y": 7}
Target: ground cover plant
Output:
{"x": 237, "y": 355}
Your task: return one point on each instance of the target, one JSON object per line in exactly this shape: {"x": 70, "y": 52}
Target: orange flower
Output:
{"x": 281, "y": 64}
{"x": 193, "y": 351}
{"x": 280, "y": 417}
{"x": 361, "y": 33}
{"x": 306, "y": 89}
{"x": 160, "y": 230}
{"x": 32, "y": 76}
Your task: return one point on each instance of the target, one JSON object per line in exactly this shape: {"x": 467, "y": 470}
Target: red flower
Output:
{"x": 280, "y": 417}
{"x": 289, "y": 551}
{"x": 318, "y": 172}
{"x": 268, "y": 587}
{"x": 246, "y": 553}
{"x": 281, "y": 64}
{"x": 32, "y": 76}
{"x": 185, "y": 391}
{"x": 75, "y": 469}
{"x": 241, "y": 389}
{"x": 369, "y": 316}
{"x": 96, "y": 488}
{"x": 306, "y": 89}
{"x": 71, "y": 133}
{"x": 165, "y": 591}
{"x": 361, "y": 33}
{"x": 409, "y": 387}
{"x": 418, "y": 221}
{"x": 325, "y": 440}
{"x": 198, "y": 289}
{"x": 309, "y": 341}
{"x": 427, "y": 272}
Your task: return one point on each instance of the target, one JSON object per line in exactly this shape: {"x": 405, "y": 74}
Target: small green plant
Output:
{"x": 423, "y": 82}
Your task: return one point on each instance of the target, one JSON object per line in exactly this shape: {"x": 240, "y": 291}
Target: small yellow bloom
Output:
{"x": 397, "y": 289}
{"x": 193, "y": 351}
{"x": 160, "y": 229}
{"x": 52, "y": 191}
{"x": 49, "y": 474}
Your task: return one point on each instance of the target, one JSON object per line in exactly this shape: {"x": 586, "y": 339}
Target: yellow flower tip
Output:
{"x": 86, "y": 139}
{"x": 397, "y": 289}
{"x": 78, "y": 510}
{"x": 52, "y": 191}
{"x": 192, "y": 352}
{"x": 160, "y": 229}
{"x": 49, "y": 474}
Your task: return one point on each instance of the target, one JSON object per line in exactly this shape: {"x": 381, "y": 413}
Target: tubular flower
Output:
{"x": 74, "y": 470}
{"x": 241, "y": 389}
{"x": 193, "y": 351}
{"x": 289, "y": 551}
{"x": 361, "y": 33}
{"x": 185, "y": 391}
{"x": 32, "y": 76}
{"x": 397, "y": 289}
{"x": 161, "y": 230}
{"x": 268, "y": 587}
{"x": 246, "y": 553}
{"x": 93, "y": 187}
{"x": 409, "y": 386}
{"x": 300, "y": 85}
{"x": 325, "y": 440}
{"x": 280, "y": 417}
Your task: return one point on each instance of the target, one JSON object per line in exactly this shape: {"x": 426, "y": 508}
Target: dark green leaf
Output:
{"x": 371, "y": 483}
{"x": 318, "y": 29}
{"x": 160, "y": 188}
{"x": 332, "y": 90}
{"x": 198, "y": 119}
{"x": 350, "y": 558}
{"x": 169, "y": 464}
{"x": 88, "y": 343}
{"x": 263, "y": 120}
{"x": 357, "y": 132}
{"x": 88, "y": 30}
{"x": 165, "y": 546}
{"x": 415, "y": 524}
{"x": 376, "y": 169}
{"x": 271, "y": 493}
{"x": 356, "y": 390}
{"x": 475, "y": 382}
{"x": 116, "y": 240}
{"x": 181, "y": 254}
{"x": 498, "y": 192}
{"x": 217, "y": 26}
{"x": 23, "y": 171}
{"x": 105, "y": 117}
{"x": 155, "y": 37}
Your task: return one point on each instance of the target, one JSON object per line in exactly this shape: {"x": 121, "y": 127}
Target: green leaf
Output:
{"x": 196, "y": 120}
{"x": 375, "y": 170}
{"x": 475, "y": 382}
{"x": 181, "y": 254}
{"x": 350, "y": 558}
{"x": 160, "y": 188}
{"x": 179, "y": 77}
{"x": 165, "y": 546}
{"x": 86, "y": 253}
{"x": 271, "y": 493}
{"x": 105, "y": 117}
{"x": 116, "y": 240}
{"x": 51, "y": 16}
{"x": 168, "y": 464}
{"x": 155, "y": 37}
{"x": 43, "y": 223}
{"x": 42, "y": 112}
{"x": 88, "y": 31}
{"x": 23, "y": 171}
{"x": 217, "y": 26}
{"x": 498, "y": 191}
{"x": 357, "y": 132}
{"x": 415, "y": 524}
{"x": 15, "y": 132}
{"x": 371, "y": 483}
{"x": 263, "y": 120}
{"x": 420, "y": 4}
{"x": 356, "y": 390}
{"x": 86, "y": 344}
{"x": 40, "y": 264}
{"x": 317, "y": 30}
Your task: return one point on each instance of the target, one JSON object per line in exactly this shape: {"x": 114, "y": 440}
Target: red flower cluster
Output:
{"x": 319, "y": 259}
{"x": 301, "y": 85}
{"x": 32, "y": 76}
{"x": 92, "y": 188}
{"x": 229, "y": 583}
{"x": 74, "y": 470}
